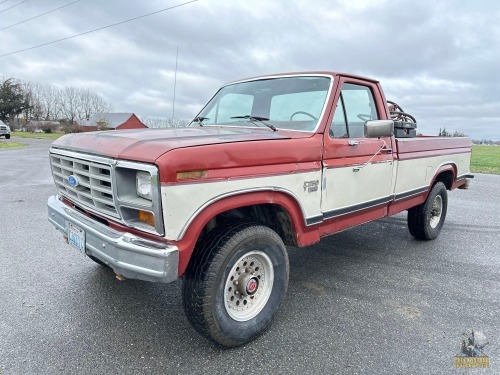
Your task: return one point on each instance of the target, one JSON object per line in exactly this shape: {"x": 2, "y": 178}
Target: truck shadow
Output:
{"x": 150, "y": 316}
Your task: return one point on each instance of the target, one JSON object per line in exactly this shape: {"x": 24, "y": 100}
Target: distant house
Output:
{"x": 110, "y": 121}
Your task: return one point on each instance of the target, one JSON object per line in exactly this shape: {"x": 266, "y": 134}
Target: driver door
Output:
{"x": 351, "y": 182}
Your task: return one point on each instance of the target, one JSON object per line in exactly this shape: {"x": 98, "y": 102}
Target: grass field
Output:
{"x": 9, "y": 144}
{"x": 52, "y": 136}
{"x": 485, "y": 159}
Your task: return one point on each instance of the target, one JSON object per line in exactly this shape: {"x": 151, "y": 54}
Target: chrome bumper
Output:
{"x": 127, "y": 254}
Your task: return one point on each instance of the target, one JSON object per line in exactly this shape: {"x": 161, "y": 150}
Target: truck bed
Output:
{"x": 424, "y": 144}
{"x": 419, "y": 160}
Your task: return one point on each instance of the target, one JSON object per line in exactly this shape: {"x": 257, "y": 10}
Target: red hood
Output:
{"x": 147, "y": 145}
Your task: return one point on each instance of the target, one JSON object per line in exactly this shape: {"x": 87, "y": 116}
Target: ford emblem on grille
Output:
{"x": 73, "y": 181}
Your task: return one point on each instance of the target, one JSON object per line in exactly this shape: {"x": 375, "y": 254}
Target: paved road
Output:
{"x": 370, "y": 300}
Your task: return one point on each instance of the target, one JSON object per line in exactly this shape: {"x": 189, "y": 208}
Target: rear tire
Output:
{"x": 235, "y": 283}
{"x": 426, "y": 220}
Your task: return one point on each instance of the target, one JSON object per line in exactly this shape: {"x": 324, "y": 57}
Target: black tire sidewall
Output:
{"x": 438, "y": 189}
{"x": 244, "y": 331}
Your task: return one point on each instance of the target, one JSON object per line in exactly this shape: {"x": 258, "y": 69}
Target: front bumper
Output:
{"x": 127, "y": 254}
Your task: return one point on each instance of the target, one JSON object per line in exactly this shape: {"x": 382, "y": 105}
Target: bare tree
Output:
{"x": 45, "y": 102}
{"x": 69, "y": 102}
{"x": 92, "y": 103}
{"x": 162, "y": 122}
{"x": 49, "y": 98}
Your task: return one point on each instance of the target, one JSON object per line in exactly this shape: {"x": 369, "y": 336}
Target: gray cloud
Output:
{"x": 437, "y": 59}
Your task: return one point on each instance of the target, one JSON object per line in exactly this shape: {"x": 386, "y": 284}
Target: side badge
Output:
{"x": 311, "y": 186}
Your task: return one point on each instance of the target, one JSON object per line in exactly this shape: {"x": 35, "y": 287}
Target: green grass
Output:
{"x": 9, "y": 144}
{"x": 52, "y": 136}
{"x": 485, "y": 159}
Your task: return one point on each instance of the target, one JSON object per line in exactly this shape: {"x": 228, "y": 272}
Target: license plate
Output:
{"x": 76, "y": 237}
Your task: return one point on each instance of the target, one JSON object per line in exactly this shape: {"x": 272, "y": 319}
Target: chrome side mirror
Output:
{"x": 379, "y": 128}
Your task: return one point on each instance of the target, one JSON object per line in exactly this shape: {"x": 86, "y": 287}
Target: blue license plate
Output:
{"x": 76, "y": 237}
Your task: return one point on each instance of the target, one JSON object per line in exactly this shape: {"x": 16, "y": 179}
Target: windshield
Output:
{"x": 294, "y": 103}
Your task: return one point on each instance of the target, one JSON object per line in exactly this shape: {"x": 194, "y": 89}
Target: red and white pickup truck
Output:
{"x": 269, "y": 162}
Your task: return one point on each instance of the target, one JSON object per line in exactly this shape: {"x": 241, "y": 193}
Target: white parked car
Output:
{"x": 4, "y": 130}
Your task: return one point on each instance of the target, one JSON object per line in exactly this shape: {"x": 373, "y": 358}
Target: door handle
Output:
{"x": 353, "y": 142}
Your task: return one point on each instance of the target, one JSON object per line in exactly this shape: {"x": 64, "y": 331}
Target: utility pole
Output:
{"x": 175, "y": 84}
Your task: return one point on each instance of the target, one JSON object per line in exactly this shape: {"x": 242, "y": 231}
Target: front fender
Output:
{"x": 286, "y": 200}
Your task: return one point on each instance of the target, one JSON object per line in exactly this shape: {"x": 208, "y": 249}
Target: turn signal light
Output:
{"x": 191, "y": 174}
{"x": 147, "y": 217}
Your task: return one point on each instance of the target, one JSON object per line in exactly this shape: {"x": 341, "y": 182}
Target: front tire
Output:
{"x": 236, "y": 283}
{"x": 426, "y": 220}
{"x": 7, "y": 136}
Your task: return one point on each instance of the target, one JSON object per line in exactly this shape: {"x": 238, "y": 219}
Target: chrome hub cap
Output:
{"x": 436, "y": 211}
{"x": 248, "y": 286}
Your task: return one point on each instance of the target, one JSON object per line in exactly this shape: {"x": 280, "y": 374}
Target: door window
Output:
{"x": 354, "y": 107}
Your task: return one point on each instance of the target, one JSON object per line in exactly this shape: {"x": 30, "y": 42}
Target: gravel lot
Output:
{"x": 370, "y": 300}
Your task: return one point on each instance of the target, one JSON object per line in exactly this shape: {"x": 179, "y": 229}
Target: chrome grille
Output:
{"x": 95, "y": 183}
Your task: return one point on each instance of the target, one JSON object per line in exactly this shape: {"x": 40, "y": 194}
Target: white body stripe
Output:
{"x": 416, "y": 173}
{"x": 346, "y": 187}
{"x": 181, "y": 203}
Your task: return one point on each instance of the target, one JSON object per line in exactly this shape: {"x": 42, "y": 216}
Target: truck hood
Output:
{"x": 147, "y": 145}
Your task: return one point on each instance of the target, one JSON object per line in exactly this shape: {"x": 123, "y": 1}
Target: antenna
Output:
{"x": 175, "y": 84}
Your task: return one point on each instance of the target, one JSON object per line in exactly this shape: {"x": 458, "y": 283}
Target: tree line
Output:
{"x": 22, "y": 102}
{"x": 444, "y": 133}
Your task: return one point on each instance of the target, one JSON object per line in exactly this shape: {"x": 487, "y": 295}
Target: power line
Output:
{"x": 98, "y": 29}
{"x": 4, "y": 1}
{"x": 1, "y": 11}
{"x": 43, "y": 14}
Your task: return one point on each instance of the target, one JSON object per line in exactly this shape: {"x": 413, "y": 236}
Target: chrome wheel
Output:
{"x": 436, "y": 211}
{"x": 248, "y": 286}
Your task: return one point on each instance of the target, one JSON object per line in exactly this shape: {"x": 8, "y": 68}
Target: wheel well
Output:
{"x": 270, "y": 215}
{"x": 446, "y": 178}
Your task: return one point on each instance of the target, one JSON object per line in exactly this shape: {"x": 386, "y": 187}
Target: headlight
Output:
{"x": 143, "y": 184}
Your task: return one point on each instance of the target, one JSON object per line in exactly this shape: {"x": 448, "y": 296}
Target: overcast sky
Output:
{"x": 440, "y": 60}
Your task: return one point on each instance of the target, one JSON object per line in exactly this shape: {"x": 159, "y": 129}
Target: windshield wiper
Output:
{"x": 256, "y": 118}
{"x": 200, "y": 120}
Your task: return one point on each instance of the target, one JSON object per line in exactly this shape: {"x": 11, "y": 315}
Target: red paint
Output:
{"x": 432, "y": 153}
{"x": 341, "y": 223}
{"x": 225, "y": 160}
{"x": 150, "y": 144}
{"x": 421, "y": 144}
{"x": 214, "y": 175}
{"x": 406, "y": 203}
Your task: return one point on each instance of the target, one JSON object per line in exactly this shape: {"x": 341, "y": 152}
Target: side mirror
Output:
{"x": 379, "y": 128}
